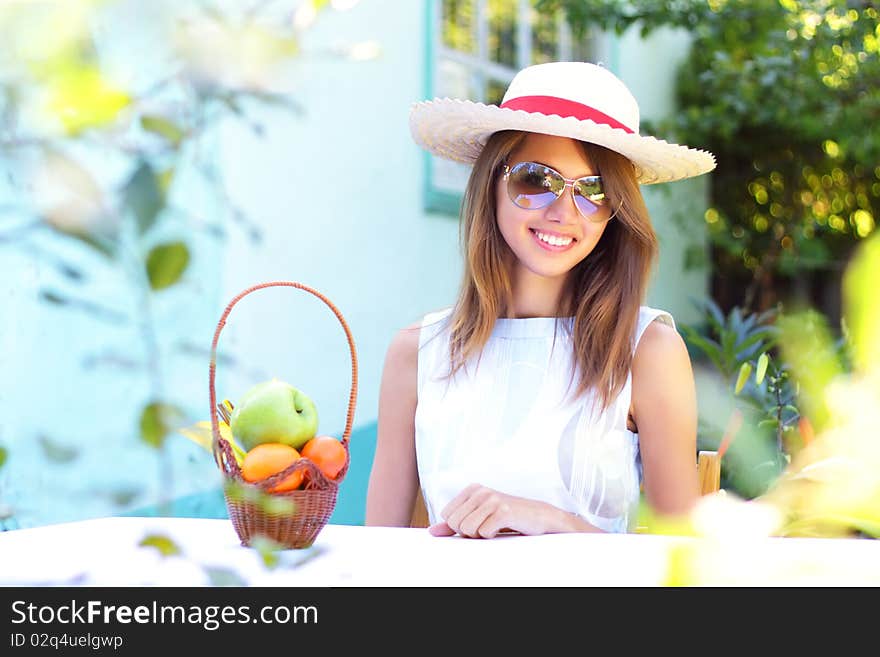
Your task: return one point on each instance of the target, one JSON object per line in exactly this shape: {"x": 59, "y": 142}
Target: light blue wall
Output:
{"x": 338, "y": 195}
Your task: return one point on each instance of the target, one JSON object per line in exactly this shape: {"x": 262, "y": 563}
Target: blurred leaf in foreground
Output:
{"x": 807, "y": 346}
{"x": 143, "y": 196}
{"x": 832, "y": 487}
{"x": 164, "y": 544}
{"x": 862, "y": 306}
{"x": 158, "y": 419}
{"x": 166, "y": 264}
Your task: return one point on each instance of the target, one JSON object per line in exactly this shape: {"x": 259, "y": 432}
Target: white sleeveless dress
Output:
{"x": 510, "y": 423}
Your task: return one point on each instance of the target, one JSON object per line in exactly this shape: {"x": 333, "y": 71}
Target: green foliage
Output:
{"x": 730, "y": 341}
{"x": 774, "y": 397}
{"x": 738, "y": 346}
{"x": 782, "y": 93}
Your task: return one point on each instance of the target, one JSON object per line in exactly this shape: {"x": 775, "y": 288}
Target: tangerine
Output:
{"x": 267, "y": 459}
{"x": 327, "y": 453}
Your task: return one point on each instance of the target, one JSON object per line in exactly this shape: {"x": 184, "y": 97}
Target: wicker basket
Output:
{"x": 291, "y": 519}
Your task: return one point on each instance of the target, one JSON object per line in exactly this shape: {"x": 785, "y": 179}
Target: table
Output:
{"x": 105, "y": 552}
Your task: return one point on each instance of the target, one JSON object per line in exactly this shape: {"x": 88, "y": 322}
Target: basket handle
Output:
{"x": 352, "y": 397}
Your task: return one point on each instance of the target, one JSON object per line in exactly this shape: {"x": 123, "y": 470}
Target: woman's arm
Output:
{"x": 665, "y": 410}
{"x": 394, "y": 480}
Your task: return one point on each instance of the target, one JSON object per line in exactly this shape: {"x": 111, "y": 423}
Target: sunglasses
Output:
{"x": 532, "y": 186}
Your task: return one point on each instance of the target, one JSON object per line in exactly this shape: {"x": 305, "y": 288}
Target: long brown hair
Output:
{"x": 604, "y": 291}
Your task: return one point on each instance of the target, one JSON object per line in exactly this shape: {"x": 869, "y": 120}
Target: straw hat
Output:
{"x": 569, "y": 99}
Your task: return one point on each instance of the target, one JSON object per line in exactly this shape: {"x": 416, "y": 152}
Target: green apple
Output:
{"x": 274, "y": 412}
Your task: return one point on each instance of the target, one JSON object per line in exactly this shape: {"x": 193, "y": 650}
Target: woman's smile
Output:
{"x": 552, "y": 241}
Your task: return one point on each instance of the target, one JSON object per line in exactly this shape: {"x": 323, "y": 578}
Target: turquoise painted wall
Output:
{"x": 350, "y": 502}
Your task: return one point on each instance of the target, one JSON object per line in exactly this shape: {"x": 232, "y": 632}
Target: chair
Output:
{"x": 708, "y": 468}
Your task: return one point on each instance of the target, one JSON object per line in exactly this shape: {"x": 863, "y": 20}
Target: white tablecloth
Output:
{"x": 105, "y": 552}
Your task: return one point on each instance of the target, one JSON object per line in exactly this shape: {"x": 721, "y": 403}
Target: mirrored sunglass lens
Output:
{"x": 532, "y": 186}
{"x": 589, "y": 196}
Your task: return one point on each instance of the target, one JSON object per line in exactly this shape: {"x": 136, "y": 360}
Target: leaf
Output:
{"x": 166, "y": 264}
{"x": 707, "y": 345}
{"x": 748, "y": 352}
{"x": 56, "y": 452}
{"x": 808, "y": 348}
{"x": 224, "y": 577}
{"x": 4, "y": 454}
{"x": 158, "y": 419}
{"x": 142, "y": 195}
{"x": 862, "y": 304}
{"x": 715, "y": 314}
{"x": 744, "y": 373}
{"x": 267, "y": 549}
{"x": 165, "y": 128}
{"x": 50, "y": 296}
{"x": 274, "y": 505}
{"x": 165, "y": 178}
{"x": 763, "y": 360}
{"x": 162, "y": 543}
{"x": 123, "y": 496}
{"x": 728, "y": 346}
{"x": 276, "y": 100}
{"x": 763, "y": 337}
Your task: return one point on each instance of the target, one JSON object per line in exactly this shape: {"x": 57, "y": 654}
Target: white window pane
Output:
{"x": 450, "y": 176}
{"x": 457, "y": 80}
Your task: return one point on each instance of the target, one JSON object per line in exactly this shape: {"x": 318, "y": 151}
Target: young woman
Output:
{"x": 548, "y": 395}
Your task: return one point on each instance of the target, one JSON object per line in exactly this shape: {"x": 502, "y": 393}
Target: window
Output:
{"x": 475, "y": 47}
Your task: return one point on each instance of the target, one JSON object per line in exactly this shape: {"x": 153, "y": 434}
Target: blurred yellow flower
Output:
{"x": 81, "y": 98}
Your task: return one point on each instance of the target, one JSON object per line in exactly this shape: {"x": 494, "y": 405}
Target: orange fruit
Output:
{"x": 327, "y": 453}
{"x": 267, "y": 459}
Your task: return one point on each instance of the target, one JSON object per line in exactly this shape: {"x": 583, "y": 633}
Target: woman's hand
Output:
{"x": 480, "y": 512}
